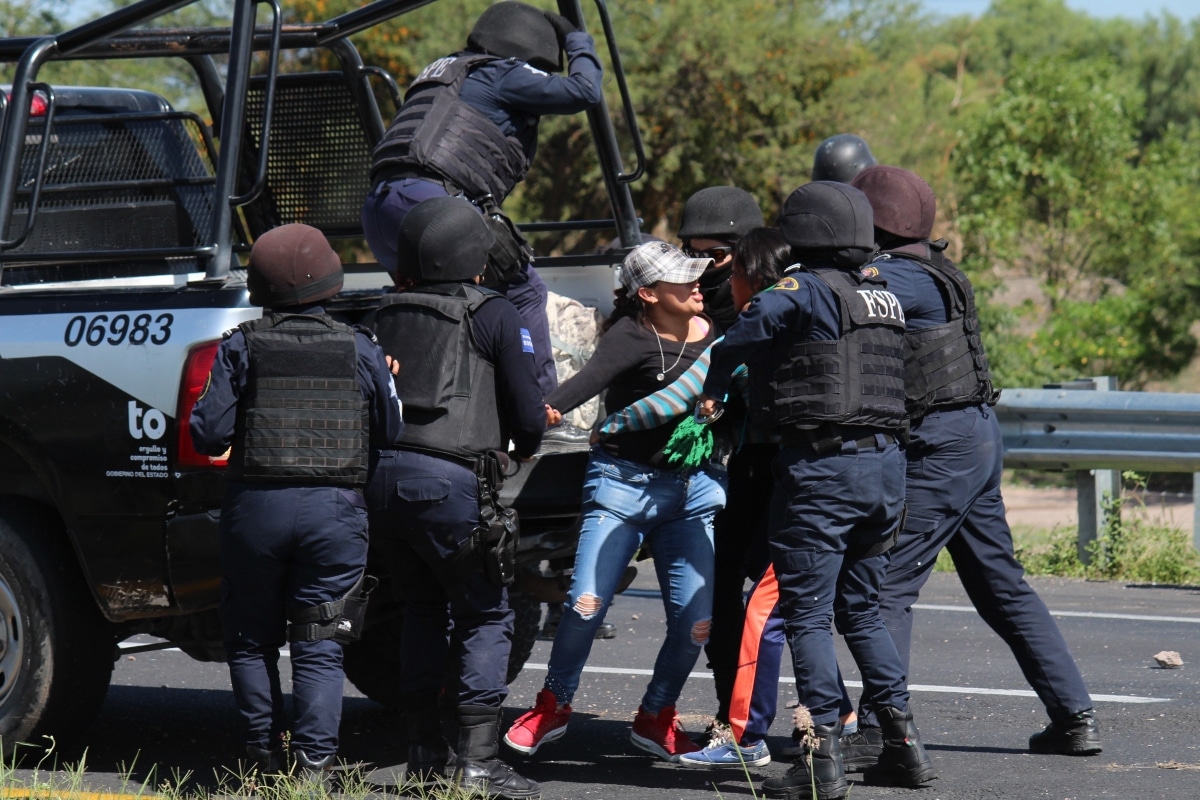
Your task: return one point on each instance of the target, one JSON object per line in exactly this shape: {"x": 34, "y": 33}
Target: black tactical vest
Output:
{"x": 946, "y": 365}
{"x": 436, "y": 131}
{"x": 857, "y": 380}
{"x": 303, "y": 418}
{"x": 448, "y": 388}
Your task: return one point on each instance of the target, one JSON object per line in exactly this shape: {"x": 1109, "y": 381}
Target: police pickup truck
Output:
{"x": 123, "y": 231}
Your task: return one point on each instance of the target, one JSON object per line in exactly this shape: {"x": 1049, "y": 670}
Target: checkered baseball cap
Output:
{"x": 659, "y": 261}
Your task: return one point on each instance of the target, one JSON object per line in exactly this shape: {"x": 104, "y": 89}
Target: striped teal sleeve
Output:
{"x": 672, "y": 401}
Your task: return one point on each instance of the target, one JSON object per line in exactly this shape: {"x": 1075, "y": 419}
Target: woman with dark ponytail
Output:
{"x": 624, "y": 305}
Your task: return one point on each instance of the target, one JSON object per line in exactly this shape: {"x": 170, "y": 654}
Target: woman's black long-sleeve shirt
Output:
{"x": 627, "y": 363}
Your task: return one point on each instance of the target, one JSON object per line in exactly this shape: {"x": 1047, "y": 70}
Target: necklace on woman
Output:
{"x": 661, "y": 355}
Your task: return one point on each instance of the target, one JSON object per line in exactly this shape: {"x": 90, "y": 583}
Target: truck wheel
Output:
{"x": 527, "y": 621}
{"x": 56, "y": 649}
{"x": 372, "y": 663}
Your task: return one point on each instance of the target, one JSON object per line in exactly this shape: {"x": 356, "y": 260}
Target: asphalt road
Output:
{"x": 174, "y": 715}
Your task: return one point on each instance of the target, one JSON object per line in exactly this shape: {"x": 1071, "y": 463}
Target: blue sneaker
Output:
{"x": 727, "y": 754}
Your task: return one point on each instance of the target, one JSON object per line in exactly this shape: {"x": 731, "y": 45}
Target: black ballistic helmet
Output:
{"x": 827, "y": 216}
{"x": 720, "y": 212}
{"x": 516, "y": 30}
{"x": 840, "y": 158}
{"x": 443, "y": 239}
{"x": 903, "y": 204}
{"x": 292, "y": 265}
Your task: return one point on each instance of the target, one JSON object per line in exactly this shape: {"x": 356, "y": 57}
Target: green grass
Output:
{"x": 44, "y": 777}
{"x": 1133, "y": 546}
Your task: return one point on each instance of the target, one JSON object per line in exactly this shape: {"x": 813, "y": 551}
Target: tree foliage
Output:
{"x": 1055, "y": 185}
{"x": 27, "y": 18}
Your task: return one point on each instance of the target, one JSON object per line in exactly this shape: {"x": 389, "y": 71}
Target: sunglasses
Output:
{"x": 715, "y": 253}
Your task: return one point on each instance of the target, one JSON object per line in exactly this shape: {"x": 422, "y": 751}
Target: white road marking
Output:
{"x": 1088, "y": 614}
{"x": 916, "y": 687}
{"x": 656, "y": 594}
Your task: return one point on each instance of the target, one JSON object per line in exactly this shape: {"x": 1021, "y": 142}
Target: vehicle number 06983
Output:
{"x": 118, "y": 329}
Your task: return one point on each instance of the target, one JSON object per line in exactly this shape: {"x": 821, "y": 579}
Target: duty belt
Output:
{"x": 826, "y": 440}
{"x": 401, "y": 172}
{"x": 466, "y": 462}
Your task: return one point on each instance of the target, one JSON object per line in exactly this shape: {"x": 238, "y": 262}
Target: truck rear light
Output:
{"x": 195, "y": 377}
{"x": 37, "y": 104}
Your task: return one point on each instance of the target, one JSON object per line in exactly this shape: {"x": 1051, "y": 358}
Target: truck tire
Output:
{"x": 372, "y": 663}
{"x": 56, "y": 649}
{"x": 527, "y": 622}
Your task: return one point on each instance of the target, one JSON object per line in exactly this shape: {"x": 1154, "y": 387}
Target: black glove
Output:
{"x": 562, "y": 26}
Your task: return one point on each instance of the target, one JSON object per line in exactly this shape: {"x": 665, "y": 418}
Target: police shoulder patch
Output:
{"x": 870, "y": 272}
{"x": 787, "y": 284}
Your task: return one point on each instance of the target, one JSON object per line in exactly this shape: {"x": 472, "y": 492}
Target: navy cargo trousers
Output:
{"x": 955, "y": 459}
{"x": 825, "y": 508}
{"x": 423, "y": 510}
{"x": 285, "y": 547}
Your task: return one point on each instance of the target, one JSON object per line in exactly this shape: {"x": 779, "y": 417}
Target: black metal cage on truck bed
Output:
{"x": 148, "y": 190}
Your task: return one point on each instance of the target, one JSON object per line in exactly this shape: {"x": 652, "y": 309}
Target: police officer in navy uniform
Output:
{"x": 467, "y": 373}
{"x": 825, "y": 351}
{"x": 713, "y": 220}
{"x": 955, "y": 459}
{"x": 468, "y": 126}
{"x": 297, "y": 398}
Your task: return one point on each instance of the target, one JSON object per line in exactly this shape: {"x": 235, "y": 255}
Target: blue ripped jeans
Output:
{"x": 626, "y": 503}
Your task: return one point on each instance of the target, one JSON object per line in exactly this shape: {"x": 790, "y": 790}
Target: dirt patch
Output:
{"x": 1030, "y": 507}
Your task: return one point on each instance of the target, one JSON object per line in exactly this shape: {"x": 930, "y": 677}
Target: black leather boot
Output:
{"x": 903, "y": 760}
{"x": 826, "y": 781}
{"x": 267, "y": 762}
{"x": 861, "y": 749}
{"x": 429, "y": 754}
{"x": 477, "y": 766}
{"x": 1077, "y": 735}
{"x": 316, "y": 772}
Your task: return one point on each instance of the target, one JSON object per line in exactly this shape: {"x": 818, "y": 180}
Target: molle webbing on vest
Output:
{"x": 303, "y": 419}
{"x": 856, "y": 380}
{"x": 946, "y": 365}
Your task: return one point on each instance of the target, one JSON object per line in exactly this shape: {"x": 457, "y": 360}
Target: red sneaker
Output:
{"x": 543, "y": 723}
{"x": 662, "y": 735}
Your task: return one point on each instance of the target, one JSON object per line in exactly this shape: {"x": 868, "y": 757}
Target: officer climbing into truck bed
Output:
{"x": 293, "y": 521}
{"x": 468, "y": 126}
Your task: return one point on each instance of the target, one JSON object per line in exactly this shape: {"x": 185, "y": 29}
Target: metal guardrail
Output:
{"x": 1098, "y": 433}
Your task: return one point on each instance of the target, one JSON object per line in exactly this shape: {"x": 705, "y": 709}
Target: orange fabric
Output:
{"x": 762, "y": 602}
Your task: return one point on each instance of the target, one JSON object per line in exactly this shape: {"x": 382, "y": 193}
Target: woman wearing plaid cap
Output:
{"x": 633, "y": 496}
